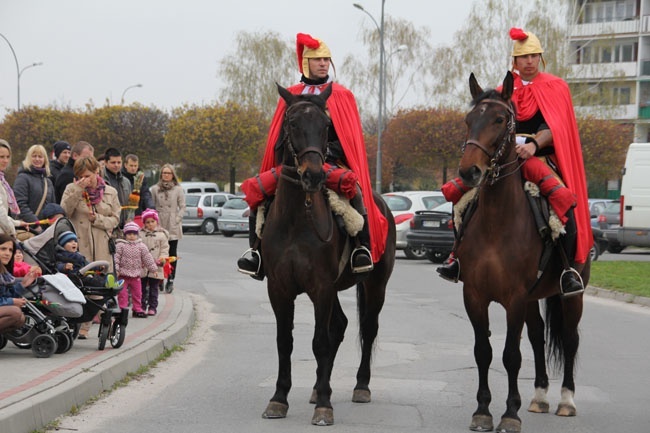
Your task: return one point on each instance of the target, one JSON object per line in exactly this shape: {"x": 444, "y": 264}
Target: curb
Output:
{"x": 618, "y": 296}
{"x": 75, "y": 389}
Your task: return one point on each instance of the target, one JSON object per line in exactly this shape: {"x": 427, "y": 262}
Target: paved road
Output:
{"x": 424, "y": 377}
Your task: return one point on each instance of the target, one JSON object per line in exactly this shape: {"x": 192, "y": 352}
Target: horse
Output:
{"x": 499, "y": 253}
{"x": 305, "y": 252}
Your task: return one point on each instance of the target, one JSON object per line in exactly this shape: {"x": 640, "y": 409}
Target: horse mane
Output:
{"x": 487, "y": 94}
{"x": 490, "y": 94}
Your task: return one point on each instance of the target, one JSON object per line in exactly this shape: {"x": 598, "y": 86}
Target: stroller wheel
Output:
{"x": 118, "y": 334}
{"x": 103, "y": 335}
{"x": 22, "y": 345}
{"x": 43, "y": 346}
{"x": 63, "y": 341}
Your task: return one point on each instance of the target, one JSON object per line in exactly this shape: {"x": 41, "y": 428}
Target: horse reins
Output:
{"x": 494, "y": 169}
{"x": 286, "y": 169}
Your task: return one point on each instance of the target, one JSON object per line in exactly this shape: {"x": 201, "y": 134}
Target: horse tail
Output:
{"x": 554, "y": 333}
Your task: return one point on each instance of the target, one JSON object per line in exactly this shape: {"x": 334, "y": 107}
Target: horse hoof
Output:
{"x": 313, "y": 397}
{"x": 566, "y": 410}
{"x": 481, "y": 423}
{"x": 538, "y": 407}
{"x": 323, "y": 416}
{"x": 361, "y": 396}
{"x": 275, "y": 410}
{"x": 509, "y": 425}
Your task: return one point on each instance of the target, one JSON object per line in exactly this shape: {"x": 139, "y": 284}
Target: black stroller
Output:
{"x": 99, "y": 299}
{"x": 50, "y": 302}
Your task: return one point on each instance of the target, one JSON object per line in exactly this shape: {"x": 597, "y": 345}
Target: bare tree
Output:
{"x": 259, "y": 60}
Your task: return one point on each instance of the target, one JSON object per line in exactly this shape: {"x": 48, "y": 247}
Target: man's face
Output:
{"x": 131, "y": 166}
{"x": 114, "y": 164}
{"x": 319, "y": 68}
{"x": 64, "y": 156}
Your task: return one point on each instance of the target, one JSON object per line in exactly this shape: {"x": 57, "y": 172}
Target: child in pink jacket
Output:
{"x": 131, "y": 257}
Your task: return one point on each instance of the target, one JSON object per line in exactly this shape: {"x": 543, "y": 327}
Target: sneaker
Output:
{"x": 139, "y": 314}
{"x": 151, "y": 312}
{"x": 110, "y": 281}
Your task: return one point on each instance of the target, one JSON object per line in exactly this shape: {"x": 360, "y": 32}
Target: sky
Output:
{"x": 93, "y": 51}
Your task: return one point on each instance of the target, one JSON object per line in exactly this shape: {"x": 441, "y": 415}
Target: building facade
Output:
{"x": 609, "y": 57}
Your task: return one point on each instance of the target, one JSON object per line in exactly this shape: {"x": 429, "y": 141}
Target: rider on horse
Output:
{"x": 346, "y": 149}
{"x": 546, "y": 118}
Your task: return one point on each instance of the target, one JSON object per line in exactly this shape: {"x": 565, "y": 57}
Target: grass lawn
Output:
{"x": 627, "y": 277}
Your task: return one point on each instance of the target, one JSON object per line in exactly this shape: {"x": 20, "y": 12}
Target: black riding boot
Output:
{"x": 450, "y": 270}
{"x": 570, "y": 281}
{"x": 252, "y": 265}
{"x": 360, "y": 259}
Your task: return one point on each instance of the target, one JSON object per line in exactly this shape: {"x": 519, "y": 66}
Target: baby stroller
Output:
{"x": 46, "y": 330}
{"x": 99, "y": 299}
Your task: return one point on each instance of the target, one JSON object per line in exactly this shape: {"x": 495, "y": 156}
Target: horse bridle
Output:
{"x": 494, "y": 169}
{"x": 309, "y": 149}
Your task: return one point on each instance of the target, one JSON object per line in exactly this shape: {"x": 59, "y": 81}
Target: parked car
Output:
{"x": 600, "y": 243}
{"x": 596, "y": 207}
{"x": 203, "y": 210}
{"x": 610, "y": 217}
{"x": 199, "y": 187}
{"x": 403, "y": 206}
{"x": 432, "y": 231}
{"x": 234, "y": 217}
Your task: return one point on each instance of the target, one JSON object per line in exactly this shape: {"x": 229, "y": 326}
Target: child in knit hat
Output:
{"x": 156, "y": 239}
{"x": 69, "y": 261}
{"x": 132, "y": 258}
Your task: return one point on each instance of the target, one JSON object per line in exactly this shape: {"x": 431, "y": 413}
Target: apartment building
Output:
{"x": 609, "y": 58}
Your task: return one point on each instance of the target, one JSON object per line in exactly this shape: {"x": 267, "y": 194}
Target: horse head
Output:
{"x": 490, "y": 132}
{"x": 305, "y": 126}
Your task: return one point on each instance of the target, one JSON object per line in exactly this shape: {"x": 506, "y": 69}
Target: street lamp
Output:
{"x": 382, "y": 79}
{"x": 20, "y": 74}
{"x": 125, "y": 90}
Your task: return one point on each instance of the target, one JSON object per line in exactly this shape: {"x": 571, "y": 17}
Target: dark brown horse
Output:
{"x": 499, "y": 254}
{"x": 305, "y": 252}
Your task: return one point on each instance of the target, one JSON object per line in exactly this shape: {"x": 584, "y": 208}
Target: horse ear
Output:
{"x": 474, "y": 87}
{"x": 285, "y": 94}
{"x": 508, "y": 86}
{"x": 327, "y": 92}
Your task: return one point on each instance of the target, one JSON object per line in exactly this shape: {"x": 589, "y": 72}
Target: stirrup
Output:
{"x": 253, "y": 252}
{"x": 360, "y": 269}
{"x": 578, "y": 278}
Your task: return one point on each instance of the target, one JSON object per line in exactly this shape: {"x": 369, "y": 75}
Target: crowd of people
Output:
{"x": 117, "y": 218}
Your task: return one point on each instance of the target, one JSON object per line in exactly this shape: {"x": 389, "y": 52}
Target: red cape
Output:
{"x": 343, "y": 111}
{"x": 551, "y": 95}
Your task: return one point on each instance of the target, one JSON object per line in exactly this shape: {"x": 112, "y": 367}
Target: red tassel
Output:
{"x": 518, "y": 34}
{"x": 305, "y": 39}
{"x": 167, "y": 268}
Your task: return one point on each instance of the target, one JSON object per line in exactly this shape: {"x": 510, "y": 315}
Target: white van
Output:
{"x": 635, "y": 198}
{"x": 199, "y": 187}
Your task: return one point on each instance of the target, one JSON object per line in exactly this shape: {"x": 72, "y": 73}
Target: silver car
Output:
{"x": 203, "y": 210}
{"x": 403, "y": 205}
{"x": 234, "y": 217}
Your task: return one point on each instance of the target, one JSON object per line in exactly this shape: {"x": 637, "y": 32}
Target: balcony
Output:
{"x": 603, "y": 30}
{"x": 598, "y": 71}
{"x": 620, "y": 112}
